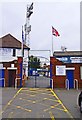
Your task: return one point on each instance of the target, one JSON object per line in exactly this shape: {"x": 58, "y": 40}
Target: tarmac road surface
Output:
{"x": 35, "y": 103}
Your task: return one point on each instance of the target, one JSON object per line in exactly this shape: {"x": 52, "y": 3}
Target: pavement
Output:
{"x": 70, "y": 99}
{"x": 35, "y": 101}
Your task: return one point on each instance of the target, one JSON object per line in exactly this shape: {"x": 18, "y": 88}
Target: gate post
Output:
{"x": 50, "y": 75}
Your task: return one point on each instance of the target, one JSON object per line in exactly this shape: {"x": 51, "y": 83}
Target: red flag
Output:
{"x": 55, "y": 32}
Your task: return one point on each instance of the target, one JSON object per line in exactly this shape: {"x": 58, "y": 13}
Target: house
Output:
{"x": 11, "y": 60}
{"x": 66, "y": 69}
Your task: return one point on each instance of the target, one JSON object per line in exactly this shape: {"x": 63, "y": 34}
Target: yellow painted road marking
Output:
{"x": 10, "y": 101}
{"x": 19, "y": 107}
{"x": 51, "y": 107}
{"x": 37, "y": 101}
{"x": 65, "y": 109}
{"x": 51, "y": 115}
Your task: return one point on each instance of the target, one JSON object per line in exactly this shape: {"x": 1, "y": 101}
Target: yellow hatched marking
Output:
{"x": 19, "y": 107}
{"x": 25, "y": 99}
{"x": 51, "y": 107}
{"x": 51, "y": 115}
{"x": 52, "y": 100}
{"x": 61, "y": 109}
{"x": 10, "y": 101}
{"x": 65, "y": 109}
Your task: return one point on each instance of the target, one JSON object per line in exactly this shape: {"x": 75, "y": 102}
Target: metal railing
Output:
{"x": 16, "y": 82}
{"x": 76, "y": 84}
{"x": 67, "y": 84}
{"x": 4, "y": 80}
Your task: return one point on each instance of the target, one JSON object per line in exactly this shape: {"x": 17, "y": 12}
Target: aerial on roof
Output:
{"x": 67, "y": 53}
{"x": 9, "y": 41}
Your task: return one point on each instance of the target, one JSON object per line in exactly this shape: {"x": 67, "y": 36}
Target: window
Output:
{"x": 14, "y": 52}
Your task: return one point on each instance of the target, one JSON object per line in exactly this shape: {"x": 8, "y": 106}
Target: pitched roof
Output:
{"x": 9, "y": 41}
{"x": 67, "y": 53}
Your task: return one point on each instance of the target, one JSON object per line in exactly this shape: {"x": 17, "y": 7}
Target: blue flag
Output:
{"x": 22, "y": 35}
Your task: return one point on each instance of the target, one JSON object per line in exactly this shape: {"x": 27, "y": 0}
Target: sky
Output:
{"x": 63, "y": 15}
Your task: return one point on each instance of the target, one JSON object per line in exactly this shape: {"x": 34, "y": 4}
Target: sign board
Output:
{"x": 60, "y": 70}
{"x": 70, "y": 59}
{"x": 1, "y": 65}
{"x": 5, "y": 51}
{"x": 76, "y": 59}
{"x": 64, "y": 59}
{"x": 12, "y": 65}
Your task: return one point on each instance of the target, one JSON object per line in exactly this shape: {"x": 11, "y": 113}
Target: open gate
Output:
{"x": 39, "y": 77}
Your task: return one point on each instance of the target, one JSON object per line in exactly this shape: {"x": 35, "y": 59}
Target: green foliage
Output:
{"x": 34, "y": 62}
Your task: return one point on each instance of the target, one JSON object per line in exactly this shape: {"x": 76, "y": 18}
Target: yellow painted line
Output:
{"x": 51, "y": 115}
{"x": 65, "y": 109}
{"x": 19, "y": 107}
{"x": 61, "y": 109}
{"x": 44, "y": 104}
{"x": 51, "y": 107}
{"x": 10, "y": 101}
{"x": 47, "y": 109}
{"x": 51, "y": 99}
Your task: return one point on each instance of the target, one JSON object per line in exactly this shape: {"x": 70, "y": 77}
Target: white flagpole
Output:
{"x": 22, "y": 41}
{"x": 22, "y": 50}
{"x": 52, "y": 44}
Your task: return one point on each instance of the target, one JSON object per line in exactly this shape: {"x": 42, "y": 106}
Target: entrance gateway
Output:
{"x": 39, "y": 73}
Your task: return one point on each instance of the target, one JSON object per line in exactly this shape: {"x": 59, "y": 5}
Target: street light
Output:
{"x": 29, "y": 12}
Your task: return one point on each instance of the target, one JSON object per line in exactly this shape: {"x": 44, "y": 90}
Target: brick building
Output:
{"x": 66, "y": 69}
{"x": 11, "y": 60}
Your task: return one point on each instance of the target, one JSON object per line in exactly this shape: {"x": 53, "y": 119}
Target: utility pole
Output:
{"x": 27, "y": 31}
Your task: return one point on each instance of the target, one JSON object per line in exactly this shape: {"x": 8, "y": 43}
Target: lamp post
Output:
{"x": 29, "y": 12}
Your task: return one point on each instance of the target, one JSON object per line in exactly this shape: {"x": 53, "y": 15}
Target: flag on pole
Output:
{"x": 55, "y": 32}
{"x": 22, "y": 35}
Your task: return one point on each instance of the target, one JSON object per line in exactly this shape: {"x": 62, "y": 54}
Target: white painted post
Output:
{"x": 15, "y": 83}
{"x": 4, "y": 82}
{"x": 52, "y": 84}
{"x": 75, "y": 80}
{"x": 67, "y": 84}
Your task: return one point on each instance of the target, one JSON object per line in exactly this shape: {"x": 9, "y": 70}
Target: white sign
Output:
{"x": 5, "y": 51}
{"x": 1, "y": 65}
{"x": 60, "y": 70}
{"x": 12, "y": 65}
{"x": 76, "y": 59}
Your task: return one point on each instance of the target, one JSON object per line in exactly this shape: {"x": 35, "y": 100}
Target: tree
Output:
{"x": 34, "y": 62}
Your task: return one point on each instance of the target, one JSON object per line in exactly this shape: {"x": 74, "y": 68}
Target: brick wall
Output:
{"x": 59, "y": 81}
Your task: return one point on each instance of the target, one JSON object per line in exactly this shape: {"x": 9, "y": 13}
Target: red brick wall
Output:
{"x": 17, "y": 65}
{"x": 59, "y": 81}
{"x": 6, "y": 65}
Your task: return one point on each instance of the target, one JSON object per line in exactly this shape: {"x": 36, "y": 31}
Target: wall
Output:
{"x": 7, "y": 65}
{"x": 59, "y": 81}
{"x": 7, "y": 54}
{"x": 18, "y": 65}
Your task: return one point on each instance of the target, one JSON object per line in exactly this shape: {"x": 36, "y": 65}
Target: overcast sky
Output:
{"x": 64, "y": 16}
